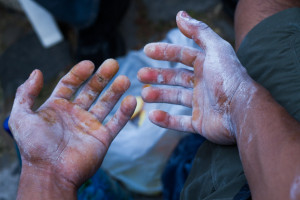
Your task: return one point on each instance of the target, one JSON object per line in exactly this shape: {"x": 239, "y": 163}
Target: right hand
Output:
{"x": 217, "y": 77}
{"x": 65, "y": 137}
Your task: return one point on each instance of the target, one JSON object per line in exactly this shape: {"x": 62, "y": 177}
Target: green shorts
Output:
{"x": 271, "y": 54}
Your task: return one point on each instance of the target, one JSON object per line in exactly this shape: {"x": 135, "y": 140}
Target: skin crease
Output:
{"x": 228, "y": 107}
{"x": 63, "y": 139}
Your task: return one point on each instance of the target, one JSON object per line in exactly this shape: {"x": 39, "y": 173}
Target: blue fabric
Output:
{"x": 179, "y": 166}
{"x": 6, "y": 127}
{"x": 243, "y": 194}
{"x": 79, "y": 13}
{"x": 102, "y": 186}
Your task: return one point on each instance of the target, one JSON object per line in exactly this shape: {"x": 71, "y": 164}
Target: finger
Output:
{"x": 178, "y": 77}
{"x": 179, "y": 123}
{"x": 177, "y": 96}
{"x": 200, "y": 32}
{"x": 172, "y": 52}
{"x": 97, "y": 83}
{"x": 108, "y": 100}
{"x": 28, "y": 91}
{"x": 72, "y": 80}
{"x": 122, "y": 116}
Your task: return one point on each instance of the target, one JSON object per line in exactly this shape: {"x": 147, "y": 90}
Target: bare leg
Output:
{"x": 250, "y": 12}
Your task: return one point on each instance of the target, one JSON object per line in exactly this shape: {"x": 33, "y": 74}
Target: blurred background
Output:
{"x": 22, "y": 50}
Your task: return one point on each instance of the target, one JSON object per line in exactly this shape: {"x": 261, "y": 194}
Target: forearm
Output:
{"x": 36, "y": 183}
{"x": 269, "y": 143}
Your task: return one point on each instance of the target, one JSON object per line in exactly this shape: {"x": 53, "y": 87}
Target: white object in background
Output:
{"x": 42, "y": 22}
{"x": 138, "y": 155}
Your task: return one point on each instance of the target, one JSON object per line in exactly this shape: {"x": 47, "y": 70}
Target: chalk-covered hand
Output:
{"x": 209, "y": 90}
{"x": 65, "y": 137}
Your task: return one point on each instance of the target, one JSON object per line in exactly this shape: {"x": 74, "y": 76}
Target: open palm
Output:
{"x": 68, "y": 135}
{"x": 209, "y": 89}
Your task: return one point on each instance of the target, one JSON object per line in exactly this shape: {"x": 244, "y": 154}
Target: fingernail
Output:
{"x": 149, "y": 48}
{"x": 151, "y": 112}
{"x": 185, "y": 15}
{"x": 144, "y": 93}
{"x": 32, "y": 75}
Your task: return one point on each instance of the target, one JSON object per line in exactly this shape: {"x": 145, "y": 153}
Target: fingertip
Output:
{"x": 35, "y": 73}
{"x": 128, "y": 104}
{"x": 140, "y": 74}
{"x": 83, "y": 69}
{"x": 112, "y": 63}
{"x": 150, "y": 49}
{"x": 182, "y": 14}
{"x": 35, "y": 82}
{"x": 111, "y": 60}
{"x": 143, "y": 74}
{"x": 146, "y": 94}
{"x": 156, "y": 50}
{"x": 186, "y": 24}
{"x": 123, "y": 82}
{"x": 87, "y": 64}
{"x": 28, "y": 91}
{"x": 158, "y": 117}
{"x": 108, "y": 69}
{"x": 199, "y": 31}
{"x": 152, "y": 114}
{"x": 130, "y": 99}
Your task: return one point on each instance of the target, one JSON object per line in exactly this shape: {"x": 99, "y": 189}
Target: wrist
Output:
{"x": 43, "y": 183}
{"x": 242, "y": 104}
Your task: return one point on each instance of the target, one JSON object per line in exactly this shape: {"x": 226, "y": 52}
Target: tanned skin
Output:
{"x": 63, "y": 143}
{"x": 228, "y": 107}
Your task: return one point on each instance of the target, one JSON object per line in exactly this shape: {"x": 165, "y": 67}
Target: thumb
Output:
{"x": 28, "y": 91}
{"x": 200, "y": 32}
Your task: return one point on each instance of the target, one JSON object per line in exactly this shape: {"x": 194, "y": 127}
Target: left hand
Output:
{"x": 209, "y": 90}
